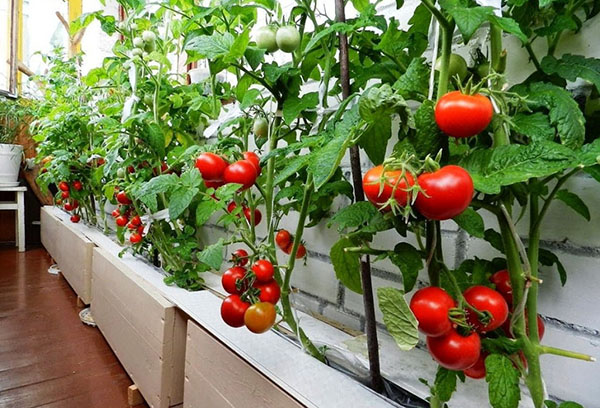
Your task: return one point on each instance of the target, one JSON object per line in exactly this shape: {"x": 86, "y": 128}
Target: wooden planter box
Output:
{"x": 216, "y": 377}
{"x": 146, "y": 332}
{"x": 71, "y": 250}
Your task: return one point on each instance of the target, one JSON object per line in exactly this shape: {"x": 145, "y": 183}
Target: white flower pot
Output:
{"x": 10, "y": 163}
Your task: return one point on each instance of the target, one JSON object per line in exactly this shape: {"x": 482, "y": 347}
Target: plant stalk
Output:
{"x": 365, "y": 265}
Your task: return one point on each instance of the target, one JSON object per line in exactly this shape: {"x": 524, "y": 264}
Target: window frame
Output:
{"x": 13, "y": 46}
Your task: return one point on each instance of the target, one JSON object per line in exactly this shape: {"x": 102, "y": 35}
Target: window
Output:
{"x": 8, "y": 47}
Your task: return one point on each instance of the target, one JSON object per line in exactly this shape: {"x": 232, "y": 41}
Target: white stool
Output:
{"x": 19, "y": 206}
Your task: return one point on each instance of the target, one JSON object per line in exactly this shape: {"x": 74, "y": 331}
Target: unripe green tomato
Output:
{"x": 288, "y": 38}
{"x": 483, "y": 69}
{"x": 148, "y": 36}
{"x": 120, "y": 173}
{"x": 148, "y": 99}
{"x": 145, "y": 55}
{"x": 458, "y": 65}
{"x": 260, "y": 127}
{"x": 265, "y": 39}
{"x": 136, "y": 52}
{"x": 133, "y": 26}
{"x": 138, "y": 42}
{"x": 122, "y": 26}
{"x": 149, "y": 47}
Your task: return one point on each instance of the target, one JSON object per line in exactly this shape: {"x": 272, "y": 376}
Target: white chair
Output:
{"x": 19, "y": 206}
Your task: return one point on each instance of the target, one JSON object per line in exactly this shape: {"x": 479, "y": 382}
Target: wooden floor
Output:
{"x": 48, "y": 358}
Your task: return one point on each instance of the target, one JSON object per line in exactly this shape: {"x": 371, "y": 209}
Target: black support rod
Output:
{"x": 365, "y": 266}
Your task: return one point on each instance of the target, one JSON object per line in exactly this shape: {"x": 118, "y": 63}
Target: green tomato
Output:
{"x": 137, "y": 52}
{"x": 265, "y": 39}
{"x": 260, "y": 127}
{"x": 148, "y": 99}
{"x": 120, "y": 173}
{"x": 458, "y": 65}
{"x": 483, "y": 69}
{"x": 133, "y": 26}
{"x": 148, "y": 36}
{"x": 288, "y": 38}
{"x": 138, "y": 42}
{"x": 149, "y": 47}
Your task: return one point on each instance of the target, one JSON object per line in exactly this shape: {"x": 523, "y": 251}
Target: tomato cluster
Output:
{"x": 125, "y": 216}
{"x": 285, "y": 242}
{"x": 453, "y": 347}
{"x": 69, "y": 203}
{"x": 247, "y": 212}
{"x": 443, "y": 194}
{"x": 217, "y": 172}
{"x": 253, "y": 294}
{"x": 286, "y": 38}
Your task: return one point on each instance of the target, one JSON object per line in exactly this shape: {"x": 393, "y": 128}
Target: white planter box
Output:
{"x": 216, "y": 377}
{"x": 71, "y": 250}
{"x": 146, "y": 332}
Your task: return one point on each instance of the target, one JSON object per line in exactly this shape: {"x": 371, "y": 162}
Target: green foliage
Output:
{"x": 398, "y": 318}
{"x": 503, "y": 382}
{"x": 346, "y": 265}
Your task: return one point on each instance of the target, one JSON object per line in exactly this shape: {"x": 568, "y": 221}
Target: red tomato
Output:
{"x": 130, "y": 169}
{"x": 211, "y": 166}
{"x": 69, "y": 207}
{"x": 269, "y": 292}
{"x": 75, "y": 204}
{"x": 453, "y": 351}
{"x": 239, "y": 257}
{"x": 233, "y": 309}
{"x": 248, "y": 215}
{"x": 213, "y": 184}
{"x": 449, "y": 192}
{"x": 260, "y": 317}
{"x": 65, "y": 194}
{"x": 431, "y": 306}
{"x": 116, "y": 213}
{"x": 63, "y": 185}
{"x": 283, "y": 239}
{"x": 254, "y": 159}
{"x": 230, "y": 278}
{"x": 131, "y": 226}
{"x": 140, "y": 230}
{"x": 77, "y": 185}
{"x": 477, "y": 371}
{"x": 122, "y": 198}
{"x": 540, "y": 324}
{"x": 300, "y": 253}
{"x": 75, "y": 218}
{"x": 122, "y": 220}
{"x": 485, "y": 299}
{"x": 241, "y": 172}
{"x": 460, "y": 115}
{"x": 231, "y": 207}
{"x": 391, "y": 180}
{"x": 263, "y": 269}
{"x": 135, "y": 238}
{"x": 502, "y": 281}
{"x": 136, "y": 221}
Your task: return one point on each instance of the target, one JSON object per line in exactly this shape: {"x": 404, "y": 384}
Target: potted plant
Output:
{"x": 12, "y": 114}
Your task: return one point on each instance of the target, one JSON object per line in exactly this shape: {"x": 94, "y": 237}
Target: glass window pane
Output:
{"x": 4, "y": 44}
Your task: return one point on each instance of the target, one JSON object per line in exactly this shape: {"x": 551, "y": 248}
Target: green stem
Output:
{"x": 446, "y": 47}
{"x": 551, "y": 196}
{"x": 365, "y": 250}
{"x": 565, "y": 353}
{"x": 533, "y": 57}
{"x": 444, "y": 23}
{"x": 268, "y": 193}
{"x": 431, "y": 244}
{"x": 533, "y": 255}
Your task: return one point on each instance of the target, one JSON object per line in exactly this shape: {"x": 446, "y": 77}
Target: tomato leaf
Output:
{"x": 445, "y": 384}
{"x": 398, "y": 318}
{"x": 414, "y": 83}
{"x": 249, "y": 99}
{"x": 293, "y": 106}
{"x": 589, "y": 155}
{"x": 292, "y": 166}
{"x": 353, "y": 216}
{"x": 535, "y": 126}
{"x": 571, "y": 67}
{"x": 427, "y": 137}
{"x": 408, "y": 259}
{"x": 212, "y": 255}
{"x": 565, "y": 114}
{"x": 346, "y": 265}
{"x": 494, "y": 238}
{"x": 503, "y": 382}
{"x": 211, "y": 46}
{"x": 492, "y": 169}
{"x": 471, "y": 221}
{"x": 180, "y": 201}
{"x": 155, "y": 138}
{"x": 575, "y": 202}
{"x": 205, "y": 210}
{"x": 548, "y": 258}
{"x": 325, "y": 161}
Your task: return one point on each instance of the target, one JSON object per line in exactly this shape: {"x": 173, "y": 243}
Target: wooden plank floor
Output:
{"x": 48, "y": 358}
